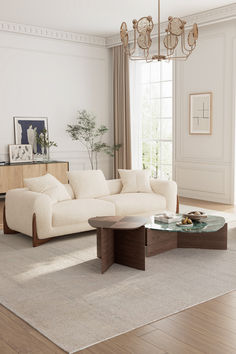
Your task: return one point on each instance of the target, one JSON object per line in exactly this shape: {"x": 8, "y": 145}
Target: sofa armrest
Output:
{"x": 21, "y": 204}
{"x": 168, "y": 189}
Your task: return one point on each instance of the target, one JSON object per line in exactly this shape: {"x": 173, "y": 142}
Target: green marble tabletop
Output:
{"x": 211, "y": 224}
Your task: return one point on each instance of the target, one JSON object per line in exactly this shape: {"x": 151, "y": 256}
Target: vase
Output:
{"x": 46, "y": 155}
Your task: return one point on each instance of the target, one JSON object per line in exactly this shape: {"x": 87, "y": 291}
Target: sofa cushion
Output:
{"x": 80, "y": 210}
{"x": 136, "y": 203}
{"x": 69, "y": 190}
{"x": 49, "y": 185}
{"x": 114, "y": 186}
{"x": 134, "y": 181}
{"x": 88, "y": 184}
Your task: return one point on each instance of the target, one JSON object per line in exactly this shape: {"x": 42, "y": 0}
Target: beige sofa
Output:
{"x": 36, "y": 215}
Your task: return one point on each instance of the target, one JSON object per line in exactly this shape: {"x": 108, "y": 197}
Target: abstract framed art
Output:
{"x": 26, "y": 130}
{"x": 200, "y": 113}
{"x": 20, "y": 153}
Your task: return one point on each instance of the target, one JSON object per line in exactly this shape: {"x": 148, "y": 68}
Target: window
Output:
{"x": 151, "y": 117}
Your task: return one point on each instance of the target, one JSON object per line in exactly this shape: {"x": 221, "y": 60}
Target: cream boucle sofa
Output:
{"x": 36, "y": 215}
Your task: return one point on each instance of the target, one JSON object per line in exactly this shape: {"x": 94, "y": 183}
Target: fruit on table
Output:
{"x": 186, "y": 221}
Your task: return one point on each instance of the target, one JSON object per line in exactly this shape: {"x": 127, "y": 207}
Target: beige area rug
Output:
{"x": 58, "y": 288}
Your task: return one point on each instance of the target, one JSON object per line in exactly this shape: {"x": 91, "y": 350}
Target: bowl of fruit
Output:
{"x": 186, "y": 222}
{"x": 196, "y": 215}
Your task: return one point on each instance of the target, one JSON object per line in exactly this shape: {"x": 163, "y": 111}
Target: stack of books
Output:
{"x": 167, "y": 217}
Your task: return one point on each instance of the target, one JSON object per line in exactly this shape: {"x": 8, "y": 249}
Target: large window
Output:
{"x": 151, "y": 117}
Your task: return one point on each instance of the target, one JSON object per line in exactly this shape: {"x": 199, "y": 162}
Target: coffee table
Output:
{"x": 120, "y": 240}
{"x": 126, "y": 240}
{"x": 209, "y": 234}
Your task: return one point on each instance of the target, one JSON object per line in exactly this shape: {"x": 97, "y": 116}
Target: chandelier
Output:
{"x": 175, "y": 34}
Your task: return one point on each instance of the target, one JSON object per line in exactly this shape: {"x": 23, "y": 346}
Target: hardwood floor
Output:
{"x": 227, "y": 208}
{"x": 206, "y": 328}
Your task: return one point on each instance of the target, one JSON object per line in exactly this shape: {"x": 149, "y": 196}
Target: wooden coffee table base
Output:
{"x": 161, "y": 241}
{"x": 126, "y": 247}
{"x": 124, "y": 240}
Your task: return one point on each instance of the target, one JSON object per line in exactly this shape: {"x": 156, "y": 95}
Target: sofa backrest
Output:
{"x": 114, "y": 186}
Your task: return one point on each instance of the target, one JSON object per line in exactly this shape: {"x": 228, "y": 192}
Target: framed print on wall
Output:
{"x": 26, "y": 130}
{"x": 200, "y": 113}
{"x": 20, "y": 153}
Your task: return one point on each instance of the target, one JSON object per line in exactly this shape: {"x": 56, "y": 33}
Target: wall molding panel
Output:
{"x": 204, "y": 182}
{"x": 204, "y": 165}
{"x": 182, "y": 110}
{"x": 31, "y": 30}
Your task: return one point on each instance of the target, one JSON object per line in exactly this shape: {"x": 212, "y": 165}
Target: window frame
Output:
{"x": 160, "y": 118}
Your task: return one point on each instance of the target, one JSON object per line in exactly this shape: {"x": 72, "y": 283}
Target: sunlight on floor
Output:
{"x": 58, "y": 263}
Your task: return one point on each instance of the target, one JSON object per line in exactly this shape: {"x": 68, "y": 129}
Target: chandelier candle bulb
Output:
{"x": 175, "y": 34}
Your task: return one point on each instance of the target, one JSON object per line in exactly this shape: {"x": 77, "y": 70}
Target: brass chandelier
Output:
{"x": 175, "y": 33}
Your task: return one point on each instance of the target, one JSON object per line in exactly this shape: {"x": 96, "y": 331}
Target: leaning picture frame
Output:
{"x": 26, "y": 130}
{"x": 20, "y": 153}
{"x": 200, "y": 113}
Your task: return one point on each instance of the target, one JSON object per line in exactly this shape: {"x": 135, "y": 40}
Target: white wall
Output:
{"x": 54, "y": 78}
{"x": 204, "y": 165}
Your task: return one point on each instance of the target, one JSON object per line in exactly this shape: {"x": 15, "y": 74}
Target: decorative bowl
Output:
{"x": 196, "y": 215}
{"x": 183, "y": 225}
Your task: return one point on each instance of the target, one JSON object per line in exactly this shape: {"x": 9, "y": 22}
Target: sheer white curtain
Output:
{"x": 136, "y": 115}
{"x": 151, "y": 117}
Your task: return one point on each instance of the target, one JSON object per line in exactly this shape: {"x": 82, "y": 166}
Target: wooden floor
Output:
{"x": 208, "y": 328}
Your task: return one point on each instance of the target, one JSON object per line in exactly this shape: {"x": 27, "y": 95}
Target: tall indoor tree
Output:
{"x": 90, "y": 136}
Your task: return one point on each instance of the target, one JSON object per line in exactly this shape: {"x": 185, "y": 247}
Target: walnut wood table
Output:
{"x": 120, "y": 240}
{"x": 210, "y": 234}
{"x": 126, "y": 240}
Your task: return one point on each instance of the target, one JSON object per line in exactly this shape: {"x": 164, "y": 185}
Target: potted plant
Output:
{"x": 90, "y": 136}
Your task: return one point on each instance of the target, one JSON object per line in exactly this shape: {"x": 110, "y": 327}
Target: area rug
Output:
{"x": 58, "y": 289}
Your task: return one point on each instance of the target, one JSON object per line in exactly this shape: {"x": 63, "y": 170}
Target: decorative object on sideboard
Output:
{"x": 26, "y": 130}
{"x": 45, "y": 143}
{"x": 20, "y": 153}
{"x": 90, "y": 136}
{"x": 175, "y": 33}
{"x": 200, "y": 113}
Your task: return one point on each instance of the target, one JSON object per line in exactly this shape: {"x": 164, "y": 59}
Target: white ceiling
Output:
{"x": 97, "y": 17}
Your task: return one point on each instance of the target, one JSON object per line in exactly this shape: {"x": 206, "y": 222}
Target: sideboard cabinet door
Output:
{"x": 58, "y": 170}
{"x": 30, "y": 171}
{"x": 10, "y": 178}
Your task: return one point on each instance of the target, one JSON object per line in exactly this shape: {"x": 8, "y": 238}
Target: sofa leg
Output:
{"x": 177, "y": 205}
{"x": 35, "y": 240}
{"x": 6, "y": 228}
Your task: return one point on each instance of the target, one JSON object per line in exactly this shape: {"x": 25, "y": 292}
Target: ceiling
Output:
{"x": 96, "y": 17}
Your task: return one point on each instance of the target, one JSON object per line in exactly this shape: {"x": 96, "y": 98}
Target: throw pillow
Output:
{"x": 49, "y": 185}
{"x": 88, "y": 184}
{"x": 135, "y": 181}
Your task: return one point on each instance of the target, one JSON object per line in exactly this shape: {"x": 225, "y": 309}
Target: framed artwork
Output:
{"x": 200, "y": 113}
{"x": 26, "y": 130}
{"x": 20, "y": 153}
